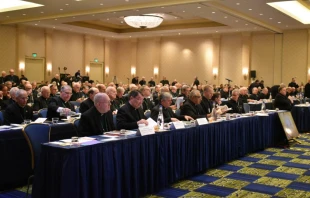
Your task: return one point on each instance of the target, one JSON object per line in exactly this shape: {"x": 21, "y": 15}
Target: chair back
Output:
{"x": 36, "y": 134}
{"x": 75, "y": 103}
{"x": 246, "y": 107}
{"x": 42, "y": 113}
{"x": 147, "y": 114}
{"x": 178, "y": 112}
{"x": 114, "y": 120}
{"x": 1, "y": 118}
{"x": 76, "y": 123}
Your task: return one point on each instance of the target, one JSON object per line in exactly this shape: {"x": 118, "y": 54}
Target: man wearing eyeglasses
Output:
{"x": 234, "y": 103}
{"x": 192, "y": 106}
{"x": 60, "y": 105}
{"x": 97, "y": 119}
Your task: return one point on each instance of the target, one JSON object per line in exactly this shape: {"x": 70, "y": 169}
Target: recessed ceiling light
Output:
{"x": 216, "y": 31}
{"x": 237, "y": 3}
{"x": 73, "y": 17}
{"x": 250, "y": 9}
{"x": 198, "y": 7}
{"x": 129, "y": 36}
{"x": 246, "y": 24}
{"x": 137, "y": 10}
{"x": 122, "y": 21}
{"x": 7, "y": 16}
{"x": 237, "y": 30}
{"x": 114, "y": 12}
{"x": 237, "y": 21}
{"x": 179, "y": 33}
{"x": 93, "y": 15}
{"x": 279, "y": 22}
{"x": 61, "y": 9}
{"x": 35, "y": 24}
{"x": 55, "y": 19}
{"x": 225, "y": 17}
{"x": 183, "y": 11}
{"x": 66, "y": 4}
{"x": 101, "y": 4}
{"x": 108, "y": 19}
{"x": 126, "y": 0}
{"x": 261, "y": 14}
{"x": 162, "y": 7}
{"x": 24, "y": 14}
{"x": 42, "y": 12}
{"x": 213, "y": 12}
{"x": 78, "y": 0}
{"x": 175, "y": 17}
{"x": 286, "y": 26}
{"x": 54, "y": 27}
{"x": 270, "y": 18}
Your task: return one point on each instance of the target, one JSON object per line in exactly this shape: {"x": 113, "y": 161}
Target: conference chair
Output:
{"x": 1, "y": 118}
{"x": 246, "y": 107}
{"x": 114, "y": 120}
{"x": 35, "y": 134}
{"x": 42, "y": 113}
{"x": 76, "y": 123}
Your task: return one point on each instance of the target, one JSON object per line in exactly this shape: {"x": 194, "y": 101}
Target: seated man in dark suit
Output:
{"x": 13, "y": 78}
{"x": 111, "y": 92}
{"x": 98, "y": 118}
{"x": 243, "y": 95}
{"x": 89, "y": 102}
{"x": 207, "y": 103}
{"x": 146, "y": 93}
{"x": 43, "y": 100}
{"x": 19, "y": 111}
{"x": 120, "y": 98}
{"x": 165, "y": 99}
{"x": 53, "y": 90}
{"x": 264, "y": 94}
{"x": 77, "y": 95}
{"x": 192, "y": 106}
{"x": 234, "y": 103}
{"x": 185, "y": 90}
{"x": 282, "y": 102}
{"x": 60, "y": 105}
{"x": 131, "y": 114}
{"x": 254, "y": 96}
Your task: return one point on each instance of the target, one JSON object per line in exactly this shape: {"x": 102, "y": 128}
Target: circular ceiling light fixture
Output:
{"x": 143, "y": 21}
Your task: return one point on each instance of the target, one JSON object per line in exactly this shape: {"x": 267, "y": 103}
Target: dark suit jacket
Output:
{"x": 2, "y": 80}
{"x": 91, "y": 122}
{"x": 127, "y": 117}
{"x": 307, "y": 90}
{"x": 40, "y": 103}
{"x": 282, "y": 102}
{"x": 263, "y": 96}
{"x": 207, "y": 105}
{"x": 167, "y": 112}
{"x": 76, "y": 95}
{"x": 54, "y": 104}
{"x": 254, "y": 97}
{"x": 192, "y": 110}
{"x": 236, "y": 106}
{"x": 85, "y": 105}
{"x": 147, "y": 104}
{"x": 13, "y": 79}
{"x": 16, "y": 114}
{"x": 3, "y": 105}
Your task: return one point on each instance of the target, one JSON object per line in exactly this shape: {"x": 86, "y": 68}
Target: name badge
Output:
{"x": 202, "y": 121}
{"x": 145, "y": 130}
{"x": 178, "y": 125}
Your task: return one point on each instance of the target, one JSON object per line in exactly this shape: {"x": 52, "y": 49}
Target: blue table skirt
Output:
{"x": 15, "y": 163}
{"x": 138, "y": 166}
{"x": 301, "y": 117}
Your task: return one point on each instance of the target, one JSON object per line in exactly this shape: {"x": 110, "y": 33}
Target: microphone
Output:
{"x": 228, "y": 79}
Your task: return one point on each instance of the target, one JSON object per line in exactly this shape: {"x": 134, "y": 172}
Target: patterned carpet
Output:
{"x": 274, "y": 172}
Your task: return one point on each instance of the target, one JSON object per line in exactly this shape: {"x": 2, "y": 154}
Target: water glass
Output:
{"x": 55, "y": 120}
{"x": 227, "y": 116}
{"x": 75, "y": 141}
{"x": 124, "y": 132}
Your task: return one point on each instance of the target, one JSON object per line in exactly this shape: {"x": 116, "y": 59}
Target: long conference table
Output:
{"x": 301, "y": 115}
{"x": 137, "y": 166}
{"x": 15, "y": 164}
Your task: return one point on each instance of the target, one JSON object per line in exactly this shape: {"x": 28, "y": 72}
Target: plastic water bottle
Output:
{"x": 160, "y": 118}
{"x": 270, "y": 98}
{"x": 263, "y": 106}
{"x": 214, "y": 115}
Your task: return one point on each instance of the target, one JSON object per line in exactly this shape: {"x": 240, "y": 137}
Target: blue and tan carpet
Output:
{"x": 274, "y": 172}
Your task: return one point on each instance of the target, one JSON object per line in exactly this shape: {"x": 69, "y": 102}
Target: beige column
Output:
{"x": 133, "y": 62}
{"x": 156, "y": 59}
{"x": 246, "y": 50}
{"x": 87, "y": 57}
{"x": 277, "y": 64}
{"x": 216, "y": 40}
{"x": 308, "y": 60}
{"x": 20, "y": 50}
{"x": 106, "y": 56}
{"x": 50, "y": 69}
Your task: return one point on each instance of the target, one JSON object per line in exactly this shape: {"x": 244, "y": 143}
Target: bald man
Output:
{"x": 13, "y": 78}
{"x": 97, "y": 119}
{"x": 2, "y": 78}
{"x": 43, "y": 100}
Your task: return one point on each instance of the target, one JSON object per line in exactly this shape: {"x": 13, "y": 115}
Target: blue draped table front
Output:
{"x": 15, "y": 166}
{"x": 138, "y": 166}
{"x": 301, "y": 115}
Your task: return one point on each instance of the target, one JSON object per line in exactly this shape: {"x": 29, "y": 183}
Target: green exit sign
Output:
{"x": 34, "y": 55}
{"x": 96, "y": 60}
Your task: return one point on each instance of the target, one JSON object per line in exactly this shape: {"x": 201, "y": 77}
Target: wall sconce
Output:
{"x": 133, "y": 71}
{"x": 107, "y": 71}
{"x": 156, "y": 72}
{"x": 215, "y": 73}
{"x": 49, "y": 68}
{"x": 309, "y": 71}
{"x": 245, "y": 72}
{"x": 22, "y": 67}
{"x": 87, "y": 69}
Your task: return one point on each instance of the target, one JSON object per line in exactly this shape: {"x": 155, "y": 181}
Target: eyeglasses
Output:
{"x": 68, "y": 93}
{"x": 109, "y": 103}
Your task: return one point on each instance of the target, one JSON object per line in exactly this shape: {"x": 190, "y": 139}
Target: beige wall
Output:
{"x": 276, "y": 58}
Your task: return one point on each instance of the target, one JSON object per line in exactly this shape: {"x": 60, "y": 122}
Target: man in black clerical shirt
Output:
{"x": 293, "y": 83}
{"x": 111, "y": 92}
{"x": 56, "y": 79}
{"x": 207, "y": 103}
{"x": 146, "y": 93}
{"x": 234, "y": 103}
{"x": 282, "y": 102}
{"x": 19, "y": 111}
{"x": 2, "y": 78}
{"x": 131, "y": 114}
{"x": 77, "y": 95}
{"x": 264, "y": 94}
{"x": 135, "y": 80}
{"x": 13, "y": 78}
{"x": 97, "y": 119}
{"x": 254, "y": 95}
{"x": 151, "y": 83}
{"x": 196, "y": 81}
{"x": 142, "y": 81}
{"x": 185, "y": 90}
{"x": 307, "y": 89}
{"x": 43, "y": 100}
{"x": 120, "y": 98}
{"x": 164, "y": 81}
{"x": 60, "y": 105}
{"x": 165, "y": 99}
{"x": 89, "y": 102}
{"x": 192, "y": 106}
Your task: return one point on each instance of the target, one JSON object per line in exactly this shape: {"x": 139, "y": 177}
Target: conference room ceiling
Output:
{"x": 181, "y": 17}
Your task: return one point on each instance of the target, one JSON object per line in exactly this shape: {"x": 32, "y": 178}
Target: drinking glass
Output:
{"x": 55, "y": 120}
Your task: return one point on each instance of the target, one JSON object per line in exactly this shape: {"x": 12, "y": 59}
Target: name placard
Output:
{"x": 202, "y": 121}
{"x": 146, "y": 130}
{"x": 178, "y": 125}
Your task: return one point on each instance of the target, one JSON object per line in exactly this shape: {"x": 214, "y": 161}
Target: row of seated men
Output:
{"x": 97, "y": 115}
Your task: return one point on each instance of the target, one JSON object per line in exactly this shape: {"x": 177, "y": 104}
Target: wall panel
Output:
{"x": 7, "y": 48}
